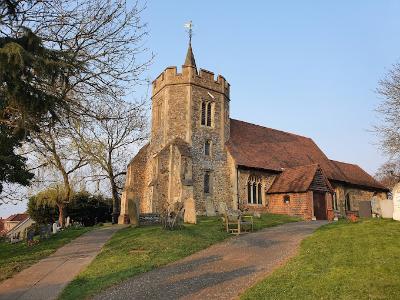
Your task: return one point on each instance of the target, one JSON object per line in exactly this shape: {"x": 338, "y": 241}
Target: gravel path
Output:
{"x": 222, "y": 271}
{"x": 47, "y": 278}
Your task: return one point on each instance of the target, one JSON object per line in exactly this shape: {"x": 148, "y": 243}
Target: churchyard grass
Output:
{"x": 340, "y": 261}
{"x": 16, "y": 257}
{"x": 135, "y": 250}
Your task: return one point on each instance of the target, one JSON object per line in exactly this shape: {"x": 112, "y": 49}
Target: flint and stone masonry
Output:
{"x": 201, "y": 157}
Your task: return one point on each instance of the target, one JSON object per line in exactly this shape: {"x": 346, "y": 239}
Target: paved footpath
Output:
{"x": 222, "y": 271}
{"x": 47, "y": 278}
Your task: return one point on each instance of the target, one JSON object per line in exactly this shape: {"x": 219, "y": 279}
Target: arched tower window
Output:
{"x": 207, "y": 182}
{"x": 347, "y": 203}
{"x": 207, "y": 148}
{"x": 203, "y": 113}
{"x": 206, "y": 113}
{"x": 209, "y": 114}
{"x": 254, "y": 190}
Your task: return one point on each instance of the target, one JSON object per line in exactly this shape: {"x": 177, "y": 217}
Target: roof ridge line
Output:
{"x": 270, "y": 128}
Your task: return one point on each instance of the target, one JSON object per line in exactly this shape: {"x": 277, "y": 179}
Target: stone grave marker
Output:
{"x": 210, "y": 209}
{"x": 55, "y": 228}
{"x": 396, "y": 202}
{"x": 190, "y": 211}
{"x": 133, "y": 212}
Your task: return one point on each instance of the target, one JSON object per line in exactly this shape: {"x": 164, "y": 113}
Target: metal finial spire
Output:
{"x": 189, "y": 29}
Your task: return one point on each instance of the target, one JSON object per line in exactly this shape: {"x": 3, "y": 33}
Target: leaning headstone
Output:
{"x": 55, "y": 228}
{"x": 190, "y": 211}
{"x": 133, "y": 212}
{"x": 396, "y": 202}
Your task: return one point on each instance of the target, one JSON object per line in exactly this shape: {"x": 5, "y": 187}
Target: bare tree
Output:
{"x": 55, "y": 150}
{"x": 108, "y": 141}
{"x": 104, "y": 40}
{"x": 389, "y": 112}
{"x": 389, "y": 174}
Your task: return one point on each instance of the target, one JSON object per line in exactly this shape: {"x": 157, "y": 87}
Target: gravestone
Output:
{"x": 190, "y": 211}
{"x": 223, "y": 209}
{"x": 210, "y": 209}
{"x": 133, "y": 212}
{"x": 67, "y": 222}
{"x": 55, "y": 228}
{"x": 365, "y": 209}
{"x": 42, "y": 232}
{"x": 376, "y": 207}
{"x": 386, "y": 208}
{"x": 30, "y": 234}
{"x": 396, "y": 202}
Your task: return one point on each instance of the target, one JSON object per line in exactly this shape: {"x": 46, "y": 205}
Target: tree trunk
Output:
{"x": 61, "y": 208}
{"x": 65, "y": 198}
{"x": 115, "y": 199}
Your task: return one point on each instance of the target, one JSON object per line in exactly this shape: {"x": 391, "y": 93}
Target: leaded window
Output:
{"x": 254, "y": 190}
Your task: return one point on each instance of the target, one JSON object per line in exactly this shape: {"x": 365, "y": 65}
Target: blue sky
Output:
{"x": 307, "y": 67}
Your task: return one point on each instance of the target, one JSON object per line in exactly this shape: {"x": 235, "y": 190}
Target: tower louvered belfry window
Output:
{"x": 203, "y": 113}
{"x": 209, "y": 114}
{"x": 206, "y": 113}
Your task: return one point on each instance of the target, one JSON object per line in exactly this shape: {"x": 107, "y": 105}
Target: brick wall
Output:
{"x": 300, "y": 204}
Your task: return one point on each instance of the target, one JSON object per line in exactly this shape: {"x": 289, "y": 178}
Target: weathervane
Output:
{"x": 189, "y": 28}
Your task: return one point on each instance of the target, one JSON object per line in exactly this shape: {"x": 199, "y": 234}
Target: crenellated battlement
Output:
{"x": 190, "y": 75}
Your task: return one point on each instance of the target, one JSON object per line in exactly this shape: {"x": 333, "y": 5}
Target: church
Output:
{"x": 197, "y": 155}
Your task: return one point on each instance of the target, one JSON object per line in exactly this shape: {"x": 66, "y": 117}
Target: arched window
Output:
{"x": 249, "y": 192}
{"x": 203, "y": 113}
{"x": 207, "y": 182}
{"x": 206, "y": 113}
{"x": 347, "y": 203}
{"x": 254, "y": 190}
{"x": 254, "y": 193}
{"x": 207, "y": 147}
{"x": 259, "y": 193}
{"x": 334, "y": 202}
{"x": 209, "y": 114}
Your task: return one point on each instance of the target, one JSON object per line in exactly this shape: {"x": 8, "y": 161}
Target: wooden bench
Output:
{"x": 238, "y": 224}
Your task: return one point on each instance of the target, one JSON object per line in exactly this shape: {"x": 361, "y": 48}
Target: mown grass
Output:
{"x": 135, "y": 250}
{"x": 16, "y": 257}
{"x": 340, "y": 261}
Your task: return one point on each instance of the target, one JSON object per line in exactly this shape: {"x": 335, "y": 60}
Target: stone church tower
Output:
{"x": 200, "y": 157}
{"x": 185, "y": 160}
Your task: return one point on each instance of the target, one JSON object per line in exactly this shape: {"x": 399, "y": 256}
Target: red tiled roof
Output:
{"x": 18, "y": 217}
{"x": 296, "y": 179}
{"x": 354, "y": 174}
{"x": 260, "y": 147}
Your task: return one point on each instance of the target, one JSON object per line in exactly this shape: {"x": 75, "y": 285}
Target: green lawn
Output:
{"x": 340, "y": 261}
{"x": 135, "y": 250}
{"x": 16, "y": 257}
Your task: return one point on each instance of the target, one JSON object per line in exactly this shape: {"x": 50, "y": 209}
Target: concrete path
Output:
{"x": 47, "y": 278}
{"x": 222, "y": 271}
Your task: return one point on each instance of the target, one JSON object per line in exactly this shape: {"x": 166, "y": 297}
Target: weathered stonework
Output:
{"x": 173, "y": 166}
